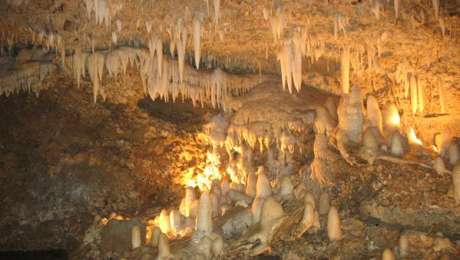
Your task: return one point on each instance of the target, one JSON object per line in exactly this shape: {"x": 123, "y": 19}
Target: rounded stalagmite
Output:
{"x": 334, "y": 230}
{"x": 136, "y": 240}
{"x": 456, "y": 181}
{"x": 388, "y": 255}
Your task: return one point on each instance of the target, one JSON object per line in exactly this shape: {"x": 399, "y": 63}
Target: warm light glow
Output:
{"x": 195, "y": 177}
{"x": 234, "y": 178}
{"x": 413, "y": 137}
{"x": 163, "y": 222}
{"x": 394, "y": 119}
{"x": 435, "y": 148}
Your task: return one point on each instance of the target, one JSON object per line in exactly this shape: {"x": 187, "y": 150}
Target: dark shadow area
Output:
{"x": 182, "y": 114}
{"x": 34, "y": 255}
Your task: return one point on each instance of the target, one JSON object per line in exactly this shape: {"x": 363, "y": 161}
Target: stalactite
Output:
{"x": 96, "y": 64}
{"x": 181, "y": 43}
{"x": 102, "y": 9}
{"x": 442, "y": 103}
{"x": 376, "y": 8}
{"x": 79, "y": 65}
{"x": 277, "y": 23}
{"x": 345, "y": 70}
{"x": 197, "y": 40}
{"x": 114, "y": 38}
{"x": 421, "y": 96}
{"x": 436, "y": 8}
{"x": 148, "y": 26}
{"x": 216, "y": 11}
{"x": 290, "y": 57}
{"x": 396, "y": 7}
{"x": 413, "y": 94}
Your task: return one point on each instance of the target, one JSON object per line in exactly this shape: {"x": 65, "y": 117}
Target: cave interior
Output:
{"x": 230, "y": 129}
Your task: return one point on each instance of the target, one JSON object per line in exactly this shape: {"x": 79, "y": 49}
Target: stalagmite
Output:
{"x": 308, "y": 198}
{"x": 345, "y": 70}
{"x": 397, "y": 144}
{"x": 197, "y": 40}
{"x": 403, "y": 246}
{"x": 456, "y": 182}
{"x": 217, "y": 248}
{"x": 225, "y": 185}
{"x": 156, "y": 233}
{"x": 186, "y": 203}
{"x": 204, "y": 248}
{"x": 136, "y": 240}
{"x": 270, "y": 220}
{"x": 351, "y": 116}
{"x": 331, "y": 107}
{"x": 263, "y": 188}
{"x": 286, "y": 187}
{"x": 164, "y": 253}
{"x": 310, "y": 217}
{"x": 334, "y": 230}
{"x": 175, "y": 221}
{"x": 256, "y": 209}
{"x": 453, "y": 153}
{"x": 374, "y": 115}
{"x": 324, "y": 122}
{"x": 164, "y": 221}
{"x": 439, "y": 166}
{"x": 388, "y": 255}
{"x": 271, "y": 211}
{"x": 371, "y": 144}
{"x": 391, "y": 119}
{"x": 204, "y": 217}
{"x": 251, "y": 184}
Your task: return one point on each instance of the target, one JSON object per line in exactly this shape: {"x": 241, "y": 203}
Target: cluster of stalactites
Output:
{"x": 17, "y": 3}
{"x": 28, "y": 78}
{"x": 290, "y": 57}
{"x": 413, "y": 88}
{"x": 103, "y": 10}
{"x": 50, "y": 41}
{"x": 161, "y": 76}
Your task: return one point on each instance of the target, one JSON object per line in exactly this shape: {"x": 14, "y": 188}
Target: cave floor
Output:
{"x": 65, "y": 162}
